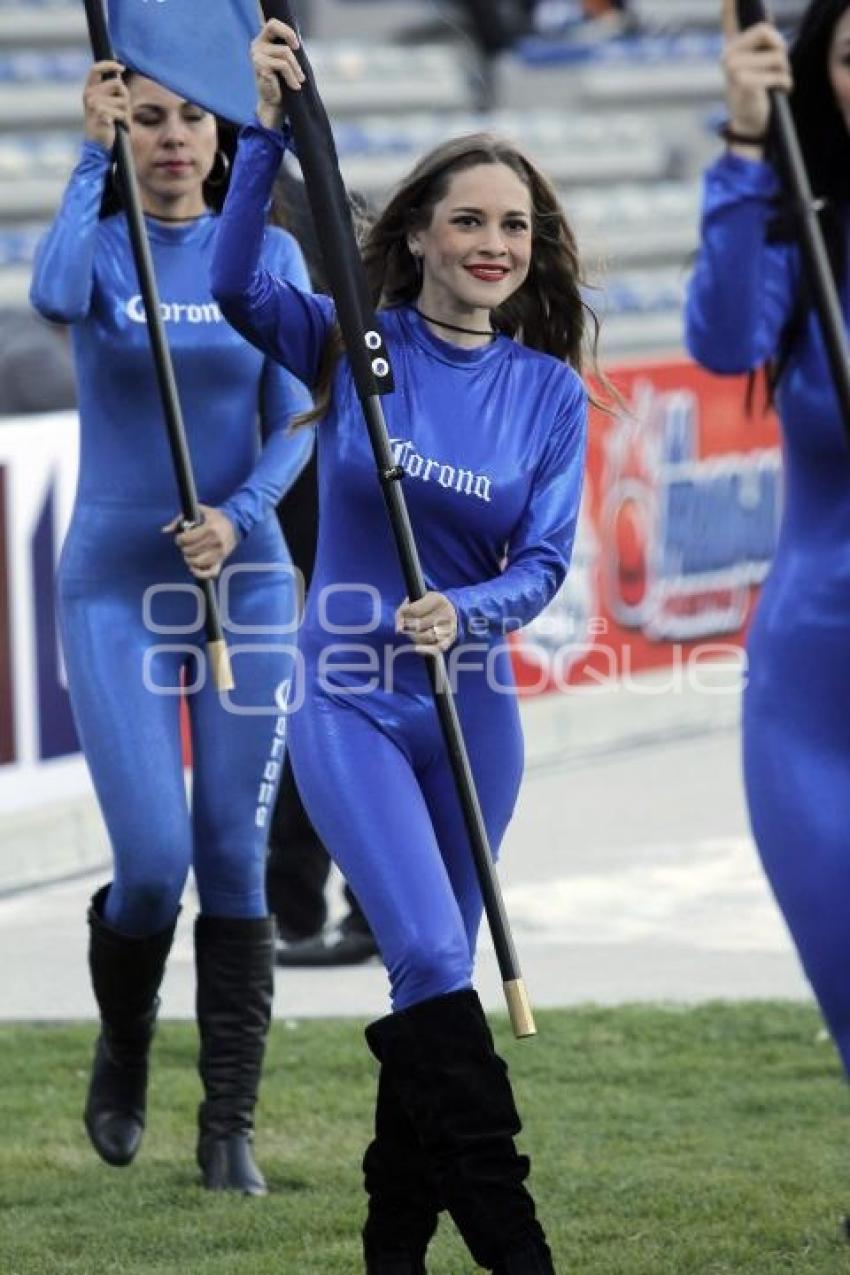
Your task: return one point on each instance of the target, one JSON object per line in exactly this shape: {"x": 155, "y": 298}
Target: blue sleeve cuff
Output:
{"x": 95, "y": 151}
{"x": 744, "y": 176}
{"x": 231, "y": 510}
{"x": 280, "y": 139}
{"x": 452, "y": 595}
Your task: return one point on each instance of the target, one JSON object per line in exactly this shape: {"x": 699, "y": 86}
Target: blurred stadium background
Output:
{"x": 622, "y": 125}
{"x": 682, "y": 503}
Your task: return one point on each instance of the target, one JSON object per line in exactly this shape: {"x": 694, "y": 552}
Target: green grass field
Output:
{"x": 664, "y": 1140}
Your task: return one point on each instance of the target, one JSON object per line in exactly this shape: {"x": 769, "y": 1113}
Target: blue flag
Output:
{"x": 196, "y": 48}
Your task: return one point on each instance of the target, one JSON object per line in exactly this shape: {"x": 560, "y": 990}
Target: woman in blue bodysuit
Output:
{"x": 490, "y": 432}
{"x": 130, "y": 622}
{"x": 748, "y": 305}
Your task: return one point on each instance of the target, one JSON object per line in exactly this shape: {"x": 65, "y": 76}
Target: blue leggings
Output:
{"x": 375, "y": 778}
{"x": 130, "y": 735}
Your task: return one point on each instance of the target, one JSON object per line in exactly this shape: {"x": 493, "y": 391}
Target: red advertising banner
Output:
{"x": 677, "y": 530}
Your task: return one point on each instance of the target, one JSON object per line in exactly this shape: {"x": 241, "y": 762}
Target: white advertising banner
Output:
{"x": 40, "y": 762}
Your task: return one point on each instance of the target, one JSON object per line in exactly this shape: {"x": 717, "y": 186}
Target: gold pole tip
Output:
{"x": 519, "y": 1008}
{"x": 222, "y": 673}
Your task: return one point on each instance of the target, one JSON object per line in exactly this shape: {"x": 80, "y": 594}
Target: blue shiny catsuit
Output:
{"x": 492, "y": 442}
{"x": 797, "y": 700}
{"x": 127, "y": 605}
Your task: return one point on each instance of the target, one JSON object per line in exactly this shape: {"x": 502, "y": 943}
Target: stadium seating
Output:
{"x": 692, "y": 15}
{"x": 37, "y": 24}
{"x": 623, "y": 127}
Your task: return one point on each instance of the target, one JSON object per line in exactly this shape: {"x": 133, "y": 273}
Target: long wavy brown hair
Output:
{"x": 547, "y": 313}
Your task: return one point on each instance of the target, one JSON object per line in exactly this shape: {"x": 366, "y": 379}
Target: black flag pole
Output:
{"x": 792, "y": 170}
{"x": 219, "y": 659}
{"x": 373, "y": 377}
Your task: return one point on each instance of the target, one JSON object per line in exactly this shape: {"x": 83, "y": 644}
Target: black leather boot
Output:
{"x": 234, "y": 960}
{"x": 126, "y": 974}
{"x": 536, "y": 1259}
{"x": 456, "y": 1092}
{"x": 404, "y": 1207}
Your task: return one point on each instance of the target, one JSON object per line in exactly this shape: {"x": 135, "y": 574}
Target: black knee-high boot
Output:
{"x": 456, "y": 1091}
{"x": 126, "y": 974}
{"x": 404, "y": 1206}
{"x": 234, "y": 960}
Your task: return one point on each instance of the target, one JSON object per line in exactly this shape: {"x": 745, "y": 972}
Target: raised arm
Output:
{"x": 743, "y": 288}
{"x": 63, "y": 273}
{"x": 284, "y": 453}
{"x": 289, "y": 324}
{"x": 540, "y": 548}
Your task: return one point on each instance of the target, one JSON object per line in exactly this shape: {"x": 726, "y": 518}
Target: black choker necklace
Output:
{"x": 453, "y": 327}
{"x": 176, "y": 220}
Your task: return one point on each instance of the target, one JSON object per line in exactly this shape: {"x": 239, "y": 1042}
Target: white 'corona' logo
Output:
{"x": 175, "y": 311}
{"x": 448, "y": 476}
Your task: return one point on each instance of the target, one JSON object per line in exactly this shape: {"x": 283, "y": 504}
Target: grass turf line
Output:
{"x": 665, "y": 1141}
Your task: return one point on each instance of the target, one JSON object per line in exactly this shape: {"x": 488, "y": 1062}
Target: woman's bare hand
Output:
{"x": 273, "y": 56}
{"x": 754, "y": 61}
{"x": 106, "y": 102}
{"x": 430, "y": 623}
{"x": 206, "y": 546}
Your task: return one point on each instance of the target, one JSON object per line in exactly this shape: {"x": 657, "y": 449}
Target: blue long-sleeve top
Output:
{"x": 237, "y": 405}
{"x": 743, "y": 287}
{"x": 744, "y": 290}
{"x": 492, "y": 441}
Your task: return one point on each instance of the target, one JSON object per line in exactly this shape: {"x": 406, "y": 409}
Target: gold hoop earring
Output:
{"x": 216, "y": 179}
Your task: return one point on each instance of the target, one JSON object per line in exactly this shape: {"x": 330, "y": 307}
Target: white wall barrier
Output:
{"x": 678, "y": 523}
